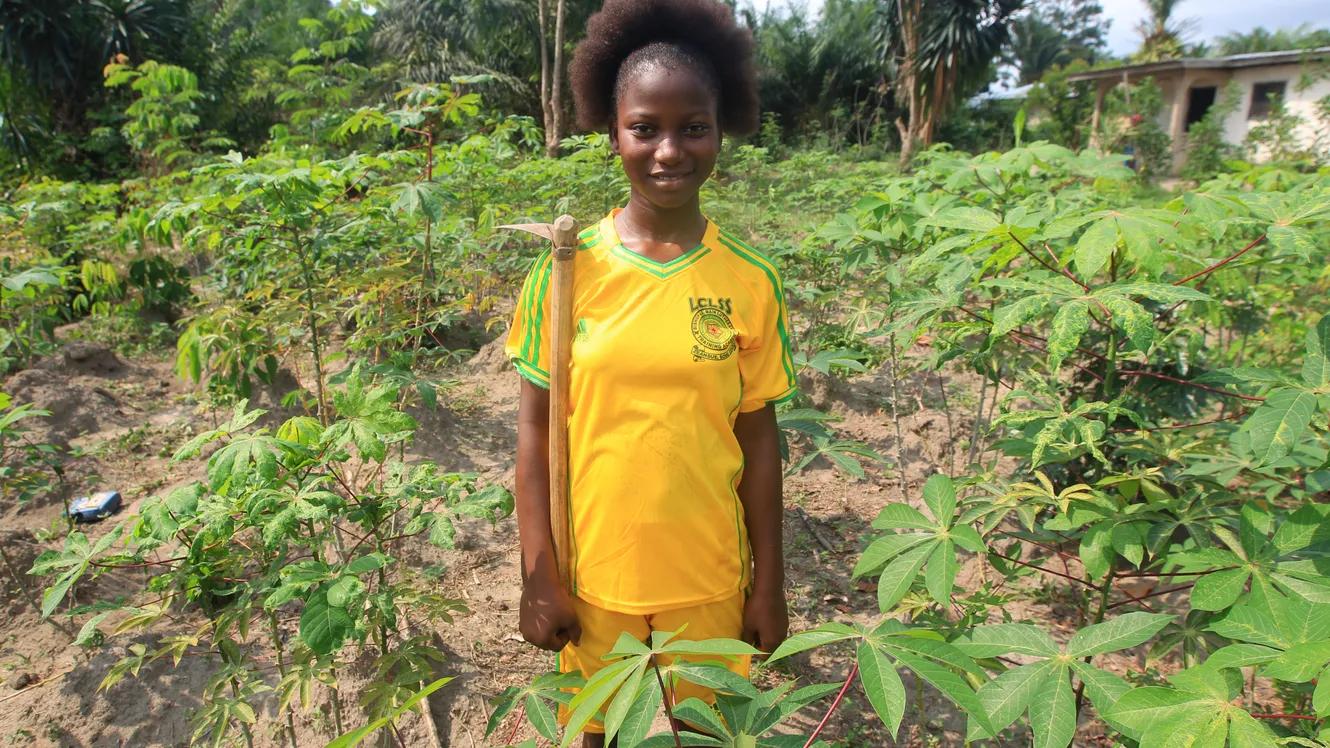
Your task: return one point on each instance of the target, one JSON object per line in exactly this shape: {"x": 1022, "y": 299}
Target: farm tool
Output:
{"x": 563, "y": 235}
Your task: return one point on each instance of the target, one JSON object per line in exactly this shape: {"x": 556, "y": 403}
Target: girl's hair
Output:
{"x": 628, "y": 36}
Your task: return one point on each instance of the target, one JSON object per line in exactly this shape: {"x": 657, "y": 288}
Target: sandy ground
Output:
{"x": 122, "y": 421}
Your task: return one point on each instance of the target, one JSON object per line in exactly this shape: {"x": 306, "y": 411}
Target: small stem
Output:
{"x": 1059, "y": 270}
{"x": 854, "y": 670}
{"x": 665, "y": 699}
{"x": 1221, "y": 263}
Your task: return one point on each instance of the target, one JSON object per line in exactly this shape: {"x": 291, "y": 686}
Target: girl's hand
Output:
{"x": 547, "y": 618}
{"x": 766, "y": 621}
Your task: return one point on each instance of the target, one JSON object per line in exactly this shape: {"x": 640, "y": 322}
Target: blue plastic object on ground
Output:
{"x": 96, "y": 507}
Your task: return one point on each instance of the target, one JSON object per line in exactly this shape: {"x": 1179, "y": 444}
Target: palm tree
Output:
{"x": 433, "y": 40}
{"x": 1036, "y": 46}
{"x": 1162, "y": 35}
{"x": 1260, "y": 39}
{"x": 59, "y": 47}
{"x": 938, "y": 54}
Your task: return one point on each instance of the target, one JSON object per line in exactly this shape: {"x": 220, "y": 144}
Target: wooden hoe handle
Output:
{"x": 561, "y": 314}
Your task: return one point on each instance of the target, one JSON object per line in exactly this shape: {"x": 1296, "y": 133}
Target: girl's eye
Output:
{"x": 697, "y": 129}
{"x": 641, "y": 129}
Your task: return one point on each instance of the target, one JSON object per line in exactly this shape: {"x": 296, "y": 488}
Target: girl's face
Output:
{"x": 666, "y": 131}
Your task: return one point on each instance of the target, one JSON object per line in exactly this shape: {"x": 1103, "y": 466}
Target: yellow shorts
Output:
{"x": 601, "y": 629}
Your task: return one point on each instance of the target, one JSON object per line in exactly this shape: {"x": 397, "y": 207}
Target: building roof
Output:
{"x": 1002, "y": 94}
{"x": 1249, "y": 60}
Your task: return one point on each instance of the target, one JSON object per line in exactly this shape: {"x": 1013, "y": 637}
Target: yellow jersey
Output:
{"x": 664, "y": 357}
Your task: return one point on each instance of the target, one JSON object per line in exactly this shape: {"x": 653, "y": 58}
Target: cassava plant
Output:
{"x": 290, "y": 549}
{"x": 1157, "y": 369}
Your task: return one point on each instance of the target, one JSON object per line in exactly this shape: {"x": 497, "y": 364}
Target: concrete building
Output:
{"x": 1191, "y": 86}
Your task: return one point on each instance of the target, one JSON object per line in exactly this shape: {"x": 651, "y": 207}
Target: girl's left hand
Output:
{"x": 766, "y": 621}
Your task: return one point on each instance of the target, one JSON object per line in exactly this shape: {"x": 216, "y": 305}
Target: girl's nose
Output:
{"x": 668, "y": 151}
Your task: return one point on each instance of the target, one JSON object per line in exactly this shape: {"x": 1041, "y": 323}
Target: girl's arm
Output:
{"x": 766, "y": 621}
{"x": 546, "y": 617}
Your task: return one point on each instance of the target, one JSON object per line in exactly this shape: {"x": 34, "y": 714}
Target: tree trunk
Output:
{"x": 907, "y": 79}
{"x": 554, "y": 133}
{"x": 547, "y": 112}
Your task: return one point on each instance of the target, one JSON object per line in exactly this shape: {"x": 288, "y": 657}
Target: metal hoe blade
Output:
{"x": 545, "y": 230}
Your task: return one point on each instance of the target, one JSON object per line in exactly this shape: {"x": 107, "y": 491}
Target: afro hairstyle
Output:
{"x": 702, "y": 34}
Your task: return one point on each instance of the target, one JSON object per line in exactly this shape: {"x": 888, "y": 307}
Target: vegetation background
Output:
{"x": 1058, "y": 472}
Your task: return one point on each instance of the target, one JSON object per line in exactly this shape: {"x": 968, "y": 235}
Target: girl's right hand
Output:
{"x": 547, "y": 618}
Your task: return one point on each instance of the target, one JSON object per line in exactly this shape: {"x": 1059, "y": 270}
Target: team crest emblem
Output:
{"x": 714, "y": 335}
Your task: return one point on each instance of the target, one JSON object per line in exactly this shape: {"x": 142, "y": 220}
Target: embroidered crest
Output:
{"x": 713, "y": 333}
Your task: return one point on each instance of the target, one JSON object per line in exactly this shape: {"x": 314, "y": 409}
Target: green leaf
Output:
{"x": 1219, "y": 590}
{"x": 1321, "y": 696}
{"x": 1095, "y": 247}
{"x": 1008, "y": 317}
{"x": 885, "y": 548}
{"x": 965, "y": 218}
{"x": 422, "y": 198}
{"x": 1241, "y": 655}
{"x": 1096, "y": 551}
{"x": 354, "y": 738}
{"x": 1316, "y": 364}
{"x": 940, "y": 498}
{"x": 714, "y": 676}
{"x": 541, "y": 717}
{"x": 598, "y": 689}
{"x": 1141, "y": 708}
{"x": 1007, "y": 638}
{"x": 1245, "y": 731}
{"x": 367, "y": 563}
{"x": 637, "y": 721}
{"x": 949, "y": 684}
{"x": 1125, "y": 631}
{"x": 623, "y": 699}
{"x": 1279, "y": 423}
{"x": 344, "y": 590}
{"x": 1136, "y": 323}
{"x": 323, "y": 626}
{"x": 1163, "y": 293}
{"x": 710, "y": 648}
{"x": 1007, "y": 696}
{"x": 899, "y": 575}
{"x": 883, "y": 686}
{"x": 821, "y": 636}
{"x": 898, "y": 516}
{"x": 940, "y": 576}
{"x": 1069, "y": 324}
{"x": 1300, "y": 663}
{"x": 1053, "y": 711}
{"x": 1101, "y": 687}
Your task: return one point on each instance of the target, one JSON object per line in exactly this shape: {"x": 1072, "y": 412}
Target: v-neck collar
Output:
{"x": 659, "y": 270}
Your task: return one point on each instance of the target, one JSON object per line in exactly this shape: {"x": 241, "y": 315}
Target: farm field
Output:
{"x": 1057, "y": 472}
{"x": 961, "y": 382}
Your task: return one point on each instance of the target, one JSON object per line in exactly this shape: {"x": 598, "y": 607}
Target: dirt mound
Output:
{"x": 77, "y": 405}
{"x": 84, "y": 358}
{"x": 491, "y": 357}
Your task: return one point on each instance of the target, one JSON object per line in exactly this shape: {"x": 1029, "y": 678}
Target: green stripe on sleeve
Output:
{"x": 532, "y": 373}
{"x": 755, "y": 258}
{"x": 535, "y": 306}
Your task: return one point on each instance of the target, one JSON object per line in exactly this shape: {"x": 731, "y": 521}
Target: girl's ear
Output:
{"x": 614, "y": 139}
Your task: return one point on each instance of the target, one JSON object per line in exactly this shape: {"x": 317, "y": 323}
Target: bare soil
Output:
{"x": 121, "y": 421}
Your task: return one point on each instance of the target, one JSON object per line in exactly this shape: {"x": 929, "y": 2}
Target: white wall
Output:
{"x": 1300, "y": 102}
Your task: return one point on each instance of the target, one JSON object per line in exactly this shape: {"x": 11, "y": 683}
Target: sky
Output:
{"x": 1213, "y": 17}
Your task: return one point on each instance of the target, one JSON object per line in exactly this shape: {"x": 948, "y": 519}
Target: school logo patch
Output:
{"x": 714, "y": 336}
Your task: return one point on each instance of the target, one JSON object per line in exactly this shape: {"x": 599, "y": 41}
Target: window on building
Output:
{"x": 1199, "y": 101}
{"x": 1263, "y": 96}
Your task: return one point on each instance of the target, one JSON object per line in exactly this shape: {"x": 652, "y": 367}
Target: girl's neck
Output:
{"x": 647, "y": 224}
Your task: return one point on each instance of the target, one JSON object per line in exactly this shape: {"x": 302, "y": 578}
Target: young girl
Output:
{"x": 680, "y": 353}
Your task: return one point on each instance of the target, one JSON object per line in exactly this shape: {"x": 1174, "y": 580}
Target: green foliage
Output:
{"x": 282, "y": 524}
